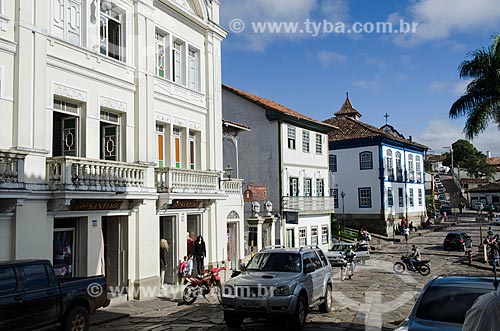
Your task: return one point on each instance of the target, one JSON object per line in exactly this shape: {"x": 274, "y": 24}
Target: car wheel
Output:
{"x": 326, "y": 306}
{"x": 77, "y": 319}
{"x": 232, "y": 320}
{"x": 298, "y": 320}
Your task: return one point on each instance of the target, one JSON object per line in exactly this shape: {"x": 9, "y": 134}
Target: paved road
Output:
{"x": 375, "y": 299}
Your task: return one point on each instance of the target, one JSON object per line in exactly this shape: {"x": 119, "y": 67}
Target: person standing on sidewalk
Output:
{"x": 163, "y": 260}
{"x": 200, "y": 252}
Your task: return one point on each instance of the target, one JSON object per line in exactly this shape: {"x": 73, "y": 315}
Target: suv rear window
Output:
{"x": 280, "y": 262}
{"x": 452, "y": 236}
{"x": 8, "y": 281}
{"x": 447, "y": 304}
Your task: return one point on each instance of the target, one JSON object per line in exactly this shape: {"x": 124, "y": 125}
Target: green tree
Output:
{"x": 466, "y": 156}
{"x": 481, "y": 101}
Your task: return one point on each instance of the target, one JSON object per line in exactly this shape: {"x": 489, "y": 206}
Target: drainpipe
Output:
{"x": 280, "y": 186}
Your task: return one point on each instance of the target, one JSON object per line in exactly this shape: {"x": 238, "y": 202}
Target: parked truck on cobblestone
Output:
{"x": 280, "y": 282}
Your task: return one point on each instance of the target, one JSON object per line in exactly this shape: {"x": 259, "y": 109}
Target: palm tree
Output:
{"x": 481, "y": 101}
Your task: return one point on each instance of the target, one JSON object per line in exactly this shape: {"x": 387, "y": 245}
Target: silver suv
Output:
{"x": 279, "y": 282}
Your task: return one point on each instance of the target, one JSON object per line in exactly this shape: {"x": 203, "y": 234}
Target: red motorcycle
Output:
{"x": 202, "y": 284}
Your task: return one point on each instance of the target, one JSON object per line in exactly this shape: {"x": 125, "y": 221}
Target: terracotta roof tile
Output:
{"x": 351, "y": 129}
{"x": 347, "y": 109}
{"x": 491, "y": 187}
{"x": 266, "y": 103}
{"x": 494, "y": 161}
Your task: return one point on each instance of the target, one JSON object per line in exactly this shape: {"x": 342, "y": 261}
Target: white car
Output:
{"x": 478, "y": 205}
{"x": 335, "y": 253}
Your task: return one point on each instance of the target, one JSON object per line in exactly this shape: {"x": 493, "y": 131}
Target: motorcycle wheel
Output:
{"x": 190, "y": 294}
{"x": 218, "y": 291}
{"x": 424, "y": 269}
{"x": 398, "y": 267}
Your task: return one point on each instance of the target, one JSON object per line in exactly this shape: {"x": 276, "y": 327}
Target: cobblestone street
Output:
{"x": 374, "y": 299}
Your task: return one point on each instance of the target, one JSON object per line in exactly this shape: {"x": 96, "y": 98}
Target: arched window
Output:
{"x": 418, "y": 168}
{"x": 399, "y": 169}
{"x": 365, "y": 160}
{"x": 411, "y": 170}
{"x": 388, "y": 164}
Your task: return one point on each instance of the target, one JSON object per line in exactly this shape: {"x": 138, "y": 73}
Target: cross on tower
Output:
{"x": 386, "y": 117}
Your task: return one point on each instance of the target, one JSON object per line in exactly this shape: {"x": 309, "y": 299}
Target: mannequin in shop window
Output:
{"x": 163, "y": 260}
{"x": 200, "y": 252}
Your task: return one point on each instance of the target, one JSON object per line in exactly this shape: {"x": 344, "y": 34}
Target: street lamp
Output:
{"x": 228, "y": 171}
{"x": 343, "y": 211}
{"x": 452, "y": 168}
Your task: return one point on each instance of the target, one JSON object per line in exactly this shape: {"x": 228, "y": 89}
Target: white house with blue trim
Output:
{"x": 376, "y": 174}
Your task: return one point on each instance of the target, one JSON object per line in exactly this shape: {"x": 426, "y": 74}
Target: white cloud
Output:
{"x": 436, "y": 86}
{"x": 460, "y": 87}
{"x": 329, "y": 58}
{"x": 365, "y": 84}
{"x": 439, "y": 19}
{"x": 277, "y": 11}
{"x": 440, "y": 133}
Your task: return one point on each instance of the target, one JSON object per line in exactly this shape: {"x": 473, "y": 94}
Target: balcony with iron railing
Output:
{"x": 82, "y": 174}
{"x": 11, "y": 169}
{"x": 309, "y": 205}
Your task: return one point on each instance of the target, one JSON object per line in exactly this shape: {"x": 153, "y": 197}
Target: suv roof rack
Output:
{"x": 274, "y": 246}
{"x": 308, "y": 247}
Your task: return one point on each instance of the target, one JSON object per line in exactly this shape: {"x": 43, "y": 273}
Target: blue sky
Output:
{"x": 413, "y": 77}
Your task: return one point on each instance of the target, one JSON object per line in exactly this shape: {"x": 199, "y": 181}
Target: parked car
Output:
{"x": 334, "y": 254}
{"x": 443, "y": 303}
{"x": 478, "y": 205}
{"x": 457, "y": 240}
{"x": 31, "y": 297}
{"x": 279, "y": 283}
{"x": 441, "y": 190}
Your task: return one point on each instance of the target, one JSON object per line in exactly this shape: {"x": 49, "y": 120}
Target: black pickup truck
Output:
{"x": 31, "y": 297}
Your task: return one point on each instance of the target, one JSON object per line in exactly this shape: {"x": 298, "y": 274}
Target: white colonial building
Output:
{"x": 111, "y": 136}
{"x": 377, "y": 175}
{"x": 286, "y": 156}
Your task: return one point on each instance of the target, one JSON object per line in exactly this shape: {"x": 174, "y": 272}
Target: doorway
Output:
{"x": 194, "y": 225}
{"x": 290, "y": 238}
{"x": 167, "y": 231}
{"x": 232, "y": 245}
{"x": 115, "y": 233}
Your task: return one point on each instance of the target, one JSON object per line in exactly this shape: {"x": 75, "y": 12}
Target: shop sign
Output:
{"x": 186, "y": 204}
{"x": 97, "y": 205}
{"x": 292, "y": 217}
{"x": 255, "y": 193}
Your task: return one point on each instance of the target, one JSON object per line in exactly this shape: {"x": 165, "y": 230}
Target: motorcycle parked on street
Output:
{"x": 202, "y": 284}
{"x": 421, "y": 266}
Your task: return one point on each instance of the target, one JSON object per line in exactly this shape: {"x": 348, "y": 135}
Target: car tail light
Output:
{"x": 461, "y": 241}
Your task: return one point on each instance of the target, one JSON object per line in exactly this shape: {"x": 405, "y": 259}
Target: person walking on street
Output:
{"x": 406, "y": 233}
{"x": 200, "y": 252}
{"x": 163, "y": 260}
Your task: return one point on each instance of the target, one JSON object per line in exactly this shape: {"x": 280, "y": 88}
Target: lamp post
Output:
{"x": 452, "y": 167}
{"x": 342, "y": 195}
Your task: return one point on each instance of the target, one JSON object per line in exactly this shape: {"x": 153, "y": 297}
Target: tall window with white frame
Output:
{"x": 160, "y": 145}
{"x": 400, "y": 197}
{"x": 320, "y": 187}
{"x": 305, "y": 141}
{"x": 324, "y": 234}
{"x": 194, "y": 69}
{"x": 161, "y": 45}
{"x": 335, "y": 198}
{"x": 390, "y": 197}
{"x": 365, "y": 197}
{"x": 302, "y": 237}
{"x": 294, "y": 187}
{"x": 420, "y": 198}
{"x": 389, "y": 165}
{"x": 192, "y": 150}
{"x": 307, "y": 187}
{"x": 111, "y": 32}
{"x": 67, "y": 22}
{"x": 314, "y": 235}
{"x": 176, "y": 136}
{"x": 418, "y": 168}
{"x": 178, "y": 74}
{"x": 319, "y": 144}
{"x": 66, "y": 128}
{"x": 399, "y": 168}
{"x": 291, "y": 137}
{"x": 110, "y": 136}
{"x": 412, "y": 202}
{"x": 411, "y": 171}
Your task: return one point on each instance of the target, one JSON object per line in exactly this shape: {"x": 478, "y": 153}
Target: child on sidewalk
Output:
{"x": 183, "y": 267}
